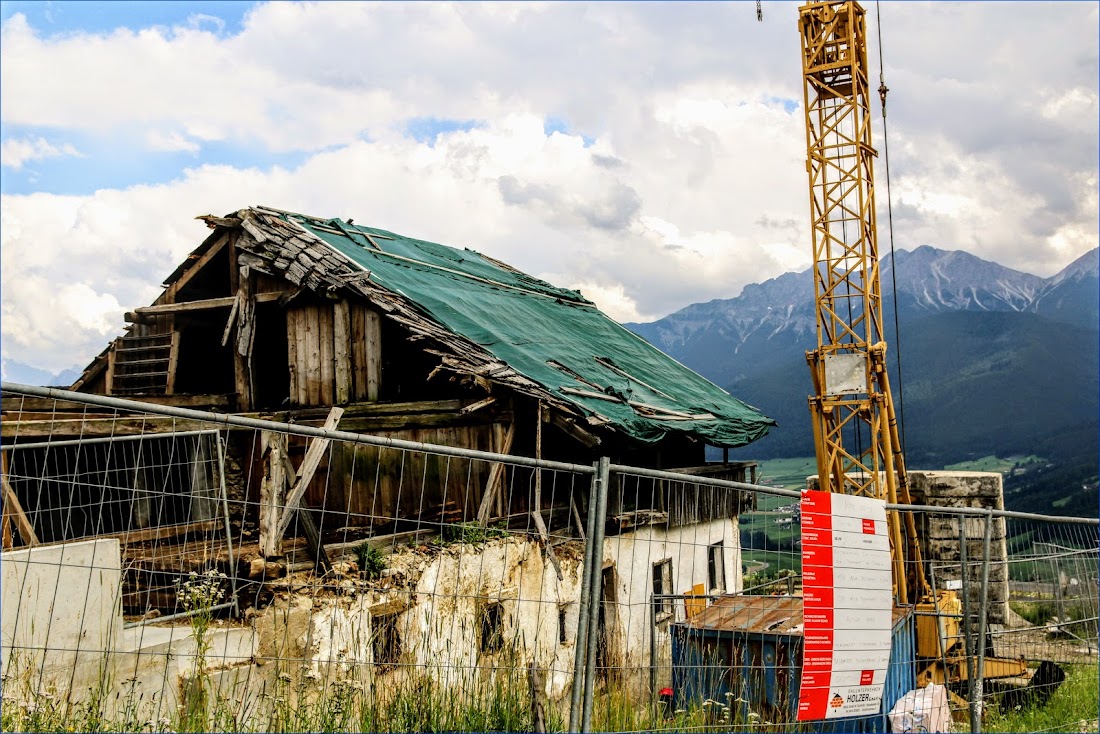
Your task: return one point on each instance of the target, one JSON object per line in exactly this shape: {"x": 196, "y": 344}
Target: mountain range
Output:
{"x": 992, "y": 360}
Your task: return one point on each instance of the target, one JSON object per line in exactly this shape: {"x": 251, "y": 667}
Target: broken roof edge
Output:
{"x": 274, "y": 241}
{"x": 736, "y": 424}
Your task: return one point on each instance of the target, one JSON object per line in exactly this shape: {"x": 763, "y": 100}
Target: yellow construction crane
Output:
{"x": 855, "y": 429}
{"x": 856, "y": 437}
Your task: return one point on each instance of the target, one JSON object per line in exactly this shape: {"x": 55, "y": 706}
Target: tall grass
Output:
{"x": 1072, "y": 708}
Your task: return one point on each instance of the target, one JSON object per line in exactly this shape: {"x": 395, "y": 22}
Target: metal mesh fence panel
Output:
{"x": 165, "y": 569}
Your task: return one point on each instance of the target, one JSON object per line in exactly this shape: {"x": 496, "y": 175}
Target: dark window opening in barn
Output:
{"x": 270, "y": 374}
{"x": 563, "y": 634}
{"x": 406, "y": 368}
{"x": 204, "y": 366}
{"x": 386, "y": 641}
{"x": 662, "y": 585}
{"x": 121, "y": 485}
{"x": 492, "y": 628}
{"x": 716, "y": 566}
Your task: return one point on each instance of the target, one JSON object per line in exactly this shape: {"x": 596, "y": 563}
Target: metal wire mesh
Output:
{"x": 197, "y": 574}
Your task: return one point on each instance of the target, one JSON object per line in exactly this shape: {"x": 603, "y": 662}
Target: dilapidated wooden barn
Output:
{"x": 307, "y": 320}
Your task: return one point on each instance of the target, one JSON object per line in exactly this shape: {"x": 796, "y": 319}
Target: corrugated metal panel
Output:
{"x": 776, "y": 614}
{"x": 748, "y": 650}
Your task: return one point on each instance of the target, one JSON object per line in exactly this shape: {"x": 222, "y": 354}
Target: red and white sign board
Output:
{"x": 847, "y": 603}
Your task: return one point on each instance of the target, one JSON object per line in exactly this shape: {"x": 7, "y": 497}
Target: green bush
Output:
{"x": 372, "y": 562}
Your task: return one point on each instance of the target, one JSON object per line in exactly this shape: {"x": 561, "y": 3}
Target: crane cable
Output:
{"x": 882, "y": 91}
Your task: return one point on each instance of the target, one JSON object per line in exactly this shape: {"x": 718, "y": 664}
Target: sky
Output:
{"x": 651, "y": 154}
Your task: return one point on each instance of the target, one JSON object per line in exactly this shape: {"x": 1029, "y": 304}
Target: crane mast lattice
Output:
{"x": 856, "y": 437}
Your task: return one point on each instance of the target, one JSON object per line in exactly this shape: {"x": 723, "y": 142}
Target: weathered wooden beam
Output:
{"x": 161, "y": 533}
{"x": 309, "y": 327}
{"x": 173, "y": 363}
{"x": 373, "y": 336}
{"x": 313, "y": 539}
{"x": 195, "y": 269}
{"x": 13, "y": 508}
{"x": 571, "y": 428}
{"x": 327, "y": 354}
{"x": 353, "y": 410}
{"x": 97, "y": 427}
{"x": 314, "y": 454}
{"x": 273, "y": 448}
{"x": 537, "y": 692}
{"x": 341, "y": 335}
{"x": 478, "y": 405}
{"x": 109, "y": 380}
{"x": 296, "y": 357}
{"x": 495, "y": 480}
{"x": 242, "y": 354}
{"x": 231, "y": 320}
{"x": 17, "y": 405}
{"x": 202, "y": 305}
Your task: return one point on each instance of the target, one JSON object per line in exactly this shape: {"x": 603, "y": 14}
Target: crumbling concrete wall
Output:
{"x": 940, "y": 533}
{"x": 427, "y": 614}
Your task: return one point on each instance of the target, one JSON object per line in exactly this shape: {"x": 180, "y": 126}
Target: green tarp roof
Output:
{"x": 552, "y": 336}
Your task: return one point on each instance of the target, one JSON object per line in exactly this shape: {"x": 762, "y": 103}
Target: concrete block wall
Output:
{"x": 940, "y": 533}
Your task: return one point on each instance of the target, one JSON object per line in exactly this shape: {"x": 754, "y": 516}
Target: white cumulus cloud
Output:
{"x": 16, "y": 152}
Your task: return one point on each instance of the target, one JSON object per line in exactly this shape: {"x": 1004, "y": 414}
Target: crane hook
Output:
{"x": 759, "y": 11}
{"x": 882, "y": 90}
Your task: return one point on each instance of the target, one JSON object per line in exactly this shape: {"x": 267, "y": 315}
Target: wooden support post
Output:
{"x": 313, "y": 540}
{"x": 173, "y": 363}
{"x": 242, "y": 355}
{"x": 273, "y": 447}
{"x": 231, "y": 320}
{"x": 291, "y": 357}
{"x": 577, "y": 517}
{"x": 341, "y": 335}
{"x": 373, "y": 334}
{"x": 109, "y": 379}
{"x": 13, "y": 508}
{"x": 328, "y": 357}
{"x": 308, "y": 327}
{"x": 538, "y": 455}
{"x": 496, "y": 478}
{"x": 536, "y": 509}
{"x": 314, "y": 454}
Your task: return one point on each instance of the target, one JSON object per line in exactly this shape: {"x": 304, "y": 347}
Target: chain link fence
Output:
{"x": 166, "y": 569}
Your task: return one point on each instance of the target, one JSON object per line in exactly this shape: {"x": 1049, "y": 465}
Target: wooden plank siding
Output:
{"x": 373, "y": 484}
{"x": 361, "y": 485}
{"x": 334, "y": 353}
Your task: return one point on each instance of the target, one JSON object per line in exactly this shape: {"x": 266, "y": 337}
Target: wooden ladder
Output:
{"x": 143, "y": 365}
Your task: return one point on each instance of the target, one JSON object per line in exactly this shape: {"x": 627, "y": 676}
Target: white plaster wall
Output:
{"x": 633, "y": 555}
{"x": 60, "y": 613}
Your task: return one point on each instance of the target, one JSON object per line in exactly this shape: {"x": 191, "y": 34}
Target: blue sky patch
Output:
{"x": 103, "y": 17}
{"x": 111, "y": 163}
{"x": 789, "y": 105}
{"x": 427, "y": 129}
{"x": 554, "y": 124}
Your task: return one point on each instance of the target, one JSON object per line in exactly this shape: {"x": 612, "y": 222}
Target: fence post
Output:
{"x": 581, "y": 643}
{"x": 983, "y": 611}
{"x": 603, "y": 470}
{"x": 1059, "y": 594}
{"x": 964, "y": 574}
{"x": 653, "y": 653}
